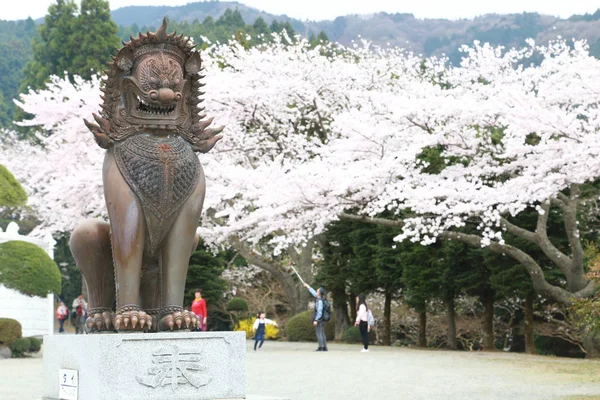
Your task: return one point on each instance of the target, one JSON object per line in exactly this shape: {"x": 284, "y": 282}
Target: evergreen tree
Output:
{"x": 76, "y": 44}
{"x": 71, "y": 282}
{"x": 95, "y": 38}
{"x": 52, "y": 51}
{"x": 204, "y": 272}
{"x": 15, "y": 47}
{"x": 5, "y": 111}
{"x": 260, "y": 27}
{"x": 231, "y": 19}
{"x": 322, "y": 37}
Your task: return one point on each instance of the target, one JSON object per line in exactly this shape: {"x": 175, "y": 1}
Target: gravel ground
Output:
{"x": 295, "y": 372}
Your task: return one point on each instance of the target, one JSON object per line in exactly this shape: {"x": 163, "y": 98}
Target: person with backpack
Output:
{"x": 79, "y": 309}
{"x": 363, "y": 321}
{"x": 321, "y": 314}
{"x": 62, "y": 313}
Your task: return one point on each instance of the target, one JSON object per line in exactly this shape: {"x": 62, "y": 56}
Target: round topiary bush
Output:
{"x": 35, "y": 345}
{"x": 10, "y": 330}
{"x": 27, "y": 268}
{"x": 237, "y": 304}
{"x": 19, "y": 347}
{"x": 11, "y": 192}
{"x": 301, "y": 329}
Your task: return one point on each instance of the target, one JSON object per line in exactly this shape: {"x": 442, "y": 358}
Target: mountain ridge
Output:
{"x": 434, "y": 36}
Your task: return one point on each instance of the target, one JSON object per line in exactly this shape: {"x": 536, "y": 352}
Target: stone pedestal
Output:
{"x": 152, "y": 366}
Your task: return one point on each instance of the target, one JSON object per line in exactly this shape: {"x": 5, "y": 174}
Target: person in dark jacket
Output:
{"x": 317, "y": 316}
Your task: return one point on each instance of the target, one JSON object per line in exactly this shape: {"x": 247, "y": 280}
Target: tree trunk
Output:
{"x": 451, "y": 316}
{"x": 304, "y": 297}
{"x": 296, "y": 294}
{"x": 387, "y": 319}
{"x": 592, "y": 346}
{"x": 340, "y": 311}
{"x": 528, "y": 329}
{"x": 352, "y": 304}
{"x": 488, "y": 321}
{"x": 422, "y": 339}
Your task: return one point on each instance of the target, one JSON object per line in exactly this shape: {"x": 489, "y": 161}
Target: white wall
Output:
{"x": 36, "y": 314}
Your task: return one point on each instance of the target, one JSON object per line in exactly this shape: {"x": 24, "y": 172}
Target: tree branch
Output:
{"x": 540, "y": 284}
{"x": 572, "y": 228}
{"x": 540, "y": 238}
{"x": 277, "y": 271}
{"x": 372, "y": 220}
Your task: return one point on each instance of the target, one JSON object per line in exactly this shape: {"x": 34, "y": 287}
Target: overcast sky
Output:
{"x": 329, "y": 9}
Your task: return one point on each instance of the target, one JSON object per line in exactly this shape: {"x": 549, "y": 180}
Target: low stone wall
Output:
{"x": 35, "y": 314}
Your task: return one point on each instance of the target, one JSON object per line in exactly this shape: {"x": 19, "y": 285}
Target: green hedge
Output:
{"x": 27, "y": 268}
{"x": 300, "y": 328}
{"x": 11, "y": 192}
{"x": 237, "y": 304}
{"x": 10, "y": 330}
{"x": 352, "y": 335}
{"x": 19, "y": 347}
{"x": 35, "y": 345}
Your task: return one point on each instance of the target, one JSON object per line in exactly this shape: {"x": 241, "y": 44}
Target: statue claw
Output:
{"x": 100, "y": 320}
{"x": 131, "y": 318}
{"x": 177, "y": 320}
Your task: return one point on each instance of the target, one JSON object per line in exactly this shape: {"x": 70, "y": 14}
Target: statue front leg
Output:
{"x": 90, "y": 246}
{"x": 128, "y": 230}
{"x": 175, "y": 254}
{"x": 150, "y": 287}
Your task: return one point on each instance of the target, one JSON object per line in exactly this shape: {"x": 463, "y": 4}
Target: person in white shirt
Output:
{"x": 260, "y": 325}
{"x": 362, "y": 321}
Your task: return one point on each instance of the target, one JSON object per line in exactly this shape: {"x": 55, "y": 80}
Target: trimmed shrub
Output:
{"x": 237, "y": 304}
{"x": 27, "y": 268}
{"x": 300, "y": 328}
{"x": 11, "y": 192}
{"x": 10, "y": 330}
{"x": 352, "y": 335}
{"x": 35, "y": 345}
{"x": 19, "y": 347}
{"x": 271, "y": 331}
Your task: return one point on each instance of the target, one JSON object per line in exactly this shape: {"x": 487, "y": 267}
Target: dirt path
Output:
{"x": 294, "y": 371}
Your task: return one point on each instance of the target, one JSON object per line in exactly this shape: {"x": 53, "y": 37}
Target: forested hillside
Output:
{"x": 15, "y": 50}
{"x": 220, "y": 21}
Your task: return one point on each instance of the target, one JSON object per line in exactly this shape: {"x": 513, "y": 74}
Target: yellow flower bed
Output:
{"x": 271, "y": 331}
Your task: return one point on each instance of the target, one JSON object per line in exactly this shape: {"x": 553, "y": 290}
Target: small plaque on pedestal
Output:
{"x": 67, "y": 389}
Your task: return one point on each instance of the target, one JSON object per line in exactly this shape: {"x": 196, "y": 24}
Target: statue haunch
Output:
{"x": 151, "y": 127}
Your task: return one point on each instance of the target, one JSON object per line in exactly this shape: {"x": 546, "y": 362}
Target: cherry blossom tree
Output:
{"x": 318, "y": 134}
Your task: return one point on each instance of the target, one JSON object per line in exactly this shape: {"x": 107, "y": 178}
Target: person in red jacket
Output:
{"x": 199, "y": 308}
